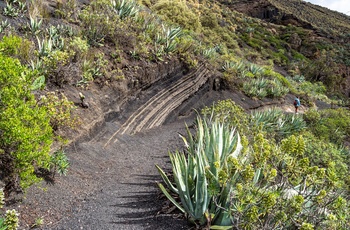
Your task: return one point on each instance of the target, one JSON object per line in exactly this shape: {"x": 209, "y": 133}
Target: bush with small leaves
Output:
{"x": 80, "y": 48}
{"x": 230, "y": 113}
{"x": 178, "y": 13}
{"x": 330, "y": 124}
{"x": 59, "y": 110}
{"x": 56, "y": 65}
{"x": 26, "y": 134}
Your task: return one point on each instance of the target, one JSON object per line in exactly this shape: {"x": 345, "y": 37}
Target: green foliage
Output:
{"x": 38, "y": 83}
{"x": 179, "y": 13}
{"x": 79, "y": 46}
{"x": 3, "y": 25}
{"x": 34, "y": 26}
{"x": 243, "y": 69}
{"x": 45, "y": 47}
{"x": 168, "y": 39}
{"x": 10, "y": 45}
{"x": 2, "y": 224}
{"x": 2, "y": 199}
{"x": 14, "y": 8}
{"x": 11, "y": 220}
{"x": 67, "y": 10}
{"x": 229, "y": 113}
{"x": 16, "y": 47}
{"x": 203, "y": 181}
{"x": 264, "y": 185}
{"x": 276, "y": 123}
{"x": 261, "y": 88}
{"x": 55, "y": 64}
{"x": 59, "y": 162}
{"x": 330, "y": 124}
{"x": 26, "y": 133}
{"x": 99, "y": 21}
{"x": 125, "y": 8}
{"x": 59, "y": 110}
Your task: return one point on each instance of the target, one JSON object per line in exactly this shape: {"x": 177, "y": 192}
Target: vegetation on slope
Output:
{"x": 273, "y": 174}
{"x": 107, "y": 42}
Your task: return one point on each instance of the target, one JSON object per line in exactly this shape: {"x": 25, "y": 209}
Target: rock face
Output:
{"x": 264, "y": 10}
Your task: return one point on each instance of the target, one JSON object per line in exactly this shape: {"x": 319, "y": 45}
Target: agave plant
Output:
{"x": 276, "y": 89}
{"x": 255, "y": 69}
{"x": 195, "y": 177}
{"x": 4, "y": 25}
{"x": 168, "y": 38}
{"x": 209, "y": 53}
{"x": 275, "y": 121}
{"x": 125, "y": 8}
{"x": 10, "y": 10}
{"x": 238, "y": 66}
{"x": 256, "y": 88}
{"x": 34, "y": 25}
{"x": 14, "y": 7}
{"x": 45, "y": 47}
{"x": 170, "y": 35}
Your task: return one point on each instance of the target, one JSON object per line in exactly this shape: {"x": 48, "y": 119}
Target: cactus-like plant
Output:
{"x": 4, "y": 25}
{"x": 45, "y": 47}
{"x": 34, "y": 25}
{"x": 204, "y": 180}
{"x": 125, "y": 8}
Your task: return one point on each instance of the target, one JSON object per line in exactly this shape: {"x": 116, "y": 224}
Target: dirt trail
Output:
{"x": 111, "y": 183}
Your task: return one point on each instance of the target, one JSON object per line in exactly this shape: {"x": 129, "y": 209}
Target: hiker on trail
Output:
{"x": 296, "y": 104}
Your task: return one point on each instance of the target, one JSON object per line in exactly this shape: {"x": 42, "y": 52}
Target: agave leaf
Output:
{"x": 171, "y": 198}
{"x": 166, "y": 180}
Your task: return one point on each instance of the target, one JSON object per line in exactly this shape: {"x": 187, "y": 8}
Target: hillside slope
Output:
{"x": 127, "y": 71}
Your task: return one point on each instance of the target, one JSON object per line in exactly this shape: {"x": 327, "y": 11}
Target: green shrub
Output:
{"x": 79, "y": 46}
{"x": 14, "y": 8}
{"x": 59, "y": 110}
{"x": 26, "y": 134}
{"x": 262, "y": 87}
{"x": 256, "y": 88}
{"x": 330, "y": 124}
{"x": 178, "y": 13}
{"x": 229, "y": 113}
{"x": 10, "y": 45}
{"x": 125, "y": 8}
{"x": 55, "y": 66}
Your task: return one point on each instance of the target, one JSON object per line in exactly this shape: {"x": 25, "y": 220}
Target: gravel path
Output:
{"x": 109, "y": 188}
